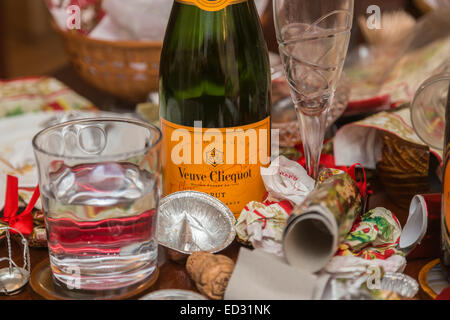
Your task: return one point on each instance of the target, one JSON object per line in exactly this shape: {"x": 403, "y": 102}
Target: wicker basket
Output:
{"x": 403, "y": 170}
{"x": 124, "y": 69}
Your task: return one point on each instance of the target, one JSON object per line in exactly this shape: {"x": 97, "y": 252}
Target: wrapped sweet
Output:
{"x": 261, "y": 225}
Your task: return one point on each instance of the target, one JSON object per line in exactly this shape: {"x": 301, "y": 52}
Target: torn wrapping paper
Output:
{"x": 374, "y": 235}
{"x": 331, "y": 221}
{"x": 287, "y": 180}
{"x": 262, "y": 225}
{"x": 259, "y": 275}
{"x": 361, "y": 141}
{"x": 372, "y": 242}
{"x": 343, "y": 267}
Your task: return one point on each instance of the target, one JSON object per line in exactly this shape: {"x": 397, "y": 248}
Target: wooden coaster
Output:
{"x": 432, "y": 280}
{"x": 44, "y": 285}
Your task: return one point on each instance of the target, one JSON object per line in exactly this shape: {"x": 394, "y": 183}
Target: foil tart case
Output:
{"x": 190, "y": 221}
{"x": 400, "y": 283}
{"x": 173, "y": 294}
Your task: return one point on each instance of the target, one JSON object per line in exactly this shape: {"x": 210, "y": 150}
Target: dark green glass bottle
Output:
{"x": 214, "y": 69}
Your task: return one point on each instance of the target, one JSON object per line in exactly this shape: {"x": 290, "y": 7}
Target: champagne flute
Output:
{"x": 313, "y": 39}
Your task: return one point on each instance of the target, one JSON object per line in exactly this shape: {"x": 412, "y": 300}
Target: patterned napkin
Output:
{"x": 361, "y": 142}
{"x": 38, "y": 94}
{"x": 26, "y": 107}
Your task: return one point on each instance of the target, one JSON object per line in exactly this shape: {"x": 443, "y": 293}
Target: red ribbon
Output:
{"x": 24, "y": 221}
{"x": 362, "y": 185}
{"x": 328, "y": 161}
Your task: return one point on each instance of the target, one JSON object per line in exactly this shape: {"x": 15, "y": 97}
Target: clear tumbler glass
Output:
{"x": 100, "y": 188}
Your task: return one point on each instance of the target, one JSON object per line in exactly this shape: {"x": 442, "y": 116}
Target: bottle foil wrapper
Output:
{"x": 317, "y": 226}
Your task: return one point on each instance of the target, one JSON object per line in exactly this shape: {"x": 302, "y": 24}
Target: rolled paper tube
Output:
{"x": 316, "y": 227}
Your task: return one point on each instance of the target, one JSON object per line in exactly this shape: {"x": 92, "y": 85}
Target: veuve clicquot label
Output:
{"x": 211, "y": 5}
{"x": 223, "y": 162}
{"x": 215, "y": 102}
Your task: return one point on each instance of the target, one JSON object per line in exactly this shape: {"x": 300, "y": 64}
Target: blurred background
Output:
{"x": 29, "y": 46}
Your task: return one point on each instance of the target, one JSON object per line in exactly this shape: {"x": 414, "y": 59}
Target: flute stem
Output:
{"x": 312, "y": 129}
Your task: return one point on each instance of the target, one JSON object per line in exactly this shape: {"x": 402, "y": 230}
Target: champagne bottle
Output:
{"x": 215, "y": 101}
{"x": 445, "y": 229}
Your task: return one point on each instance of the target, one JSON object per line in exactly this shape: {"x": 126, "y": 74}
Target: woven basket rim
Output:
{"x": 128, "y": 43}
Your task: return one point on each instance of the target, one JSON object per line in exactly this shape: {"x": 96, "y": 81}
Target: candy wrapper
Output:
{"x": 317, "y": 226}
{"x": 372, "y": 242}
{"x": 287, "y": 180}
{"x": 374, "y": 235}
{"x": 262, "y": 225}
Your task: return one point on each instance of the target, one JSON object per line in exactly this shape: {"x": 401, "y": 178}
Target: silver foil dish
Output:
{"x": 173, "y": 294}
{"x": 400, "y": 283}
{"x": 191, "y": 221}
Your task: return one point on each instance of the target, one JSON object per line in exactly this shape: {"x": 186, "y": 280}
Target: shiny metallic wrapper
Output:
{"x": 190, "y": 221}
{"x": 400, "y": 283}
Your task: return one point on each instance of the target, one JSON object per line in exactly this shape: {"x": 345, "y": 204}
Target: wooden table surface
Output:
{"x": 173, "y": 275}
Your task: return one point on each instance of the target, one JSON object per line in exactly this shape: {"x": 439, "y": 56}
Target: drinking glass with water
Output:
{"x": 100, "y": 187}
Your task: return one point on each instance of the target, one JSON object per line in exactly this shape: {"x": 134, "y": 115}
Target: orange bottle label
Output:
{"x": 211, "y": 5}
{"x": 224, "y": 163}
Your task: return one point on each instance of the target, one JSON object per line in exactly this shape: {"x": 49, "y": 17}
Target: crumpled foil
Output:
{"x": 390, "y": 286}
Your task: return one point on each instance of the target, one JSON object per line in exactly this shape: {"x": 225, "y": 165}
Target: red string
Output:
{"x": 363, "y": 184}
